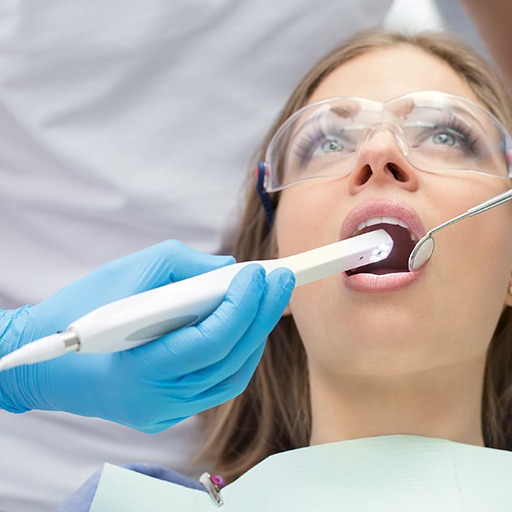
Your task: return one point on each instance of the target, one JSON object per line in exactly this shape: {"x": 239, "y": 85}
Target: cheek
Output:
{"x": 467, "y": 278}
{"x": 476, "y": 258}
{"x": 478, "y": 249}
{"x": 308, "y": 217}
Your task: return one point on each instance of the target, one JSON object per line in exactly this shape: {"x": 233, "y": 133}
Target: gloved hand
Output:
{"x": 153, "y": 386}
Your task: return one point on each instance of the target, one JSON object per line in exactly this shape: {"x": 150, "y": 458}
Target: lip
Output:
{"x": 370, "y": 283}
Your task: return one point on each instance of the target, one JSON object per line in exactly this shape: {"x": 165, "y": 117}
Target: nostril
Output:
{"x": 365, "y": 175}
{"x": 396, "y": 172}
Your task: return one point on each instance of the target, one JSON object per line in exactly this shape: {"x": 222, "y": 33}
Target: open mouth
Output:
{"x": 403, "y": 242}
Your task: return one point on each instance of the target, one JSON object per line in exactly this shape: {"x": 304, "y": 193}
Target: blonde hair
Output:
{"x": 273, "y": 414}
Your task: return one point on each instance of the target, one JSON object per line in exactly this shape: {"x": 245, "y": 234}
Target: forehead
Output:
{"x": 384, "y": 74}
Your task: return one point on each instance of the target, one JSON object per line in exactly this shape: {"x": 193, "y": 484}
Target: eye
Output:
{"x": 444, "y": 136}
{"x": 329, "y": 146}
{"x": 312, "y": 146}
{"x": 454, "y": 133}
{"x": 445, "y": 139}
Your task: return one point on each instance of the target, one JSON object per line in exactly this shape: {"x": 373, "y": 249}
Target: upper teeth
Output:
{"x": 385, "y": 220}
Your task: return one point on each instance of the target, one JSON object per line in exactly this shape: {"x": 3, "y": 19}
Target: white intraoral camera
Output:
{"x": 139, "y": 319}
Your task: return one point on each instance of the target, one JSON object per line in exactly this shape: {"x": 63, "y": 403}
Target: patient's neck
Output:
{"x": 443, "y": 403}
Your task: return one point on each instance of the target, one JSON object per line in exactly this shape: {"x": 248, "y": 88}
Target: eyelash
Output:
{"x": 308, "y": 142}
{"x": 465, "y": 136}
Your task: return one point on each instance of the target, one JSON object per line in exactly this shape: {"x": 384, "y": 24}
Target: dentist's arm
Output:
{"x": 156, "y": 385}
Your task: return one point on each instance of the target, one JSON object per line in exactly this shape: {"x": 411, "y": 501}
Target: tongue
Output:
{"x": 397, "y": 261}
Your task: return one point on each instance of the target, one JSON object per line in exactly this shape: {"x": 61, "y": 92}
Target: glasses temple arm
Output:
{"x": 268, "y": 207}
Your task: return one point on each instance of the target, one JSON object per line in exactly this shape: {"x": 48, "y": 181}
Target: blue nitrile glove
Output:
{"x": 153, "y": 386}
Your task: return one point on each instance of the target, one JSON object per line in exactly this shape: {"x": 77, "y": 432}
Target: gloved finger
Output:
{"x": 274, "y": 301}
{"x": 152, "y": 267}
{"x": 221, "y": 392}
{"x": 280, "y": 285}
{"x": 234, "y": 384}
{"x": 189, "y": 262}
{"x": 195, "y": 384}
{"x": 192, "y": 348}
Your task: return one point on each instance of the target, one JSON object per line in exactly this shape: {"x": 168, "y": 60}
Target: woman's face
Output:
{"x": 400, "y": 323}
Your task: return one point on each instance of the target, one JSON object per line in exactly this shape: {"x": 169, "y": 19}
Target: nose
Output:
{"x": 381, "y": 161}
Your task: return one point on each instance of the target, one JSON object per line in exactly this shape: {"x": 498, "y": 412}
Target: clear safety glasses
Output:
{"x": 436, "y": 132}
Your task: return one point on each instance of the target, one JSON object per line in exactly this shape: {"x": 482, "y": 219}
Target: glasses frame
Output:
{"x": 420, "y": 98}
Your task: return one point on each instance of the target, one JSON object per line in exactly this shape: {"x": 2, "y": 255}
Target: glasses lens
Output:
{"x": 319, "y": 141}
{"x": 436, "y": 132}
{"x": 454, "y": 135}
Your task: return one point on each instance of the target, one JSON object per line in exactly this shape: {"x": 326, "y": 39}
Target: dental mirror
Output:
{"x": 424, "y": 249}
